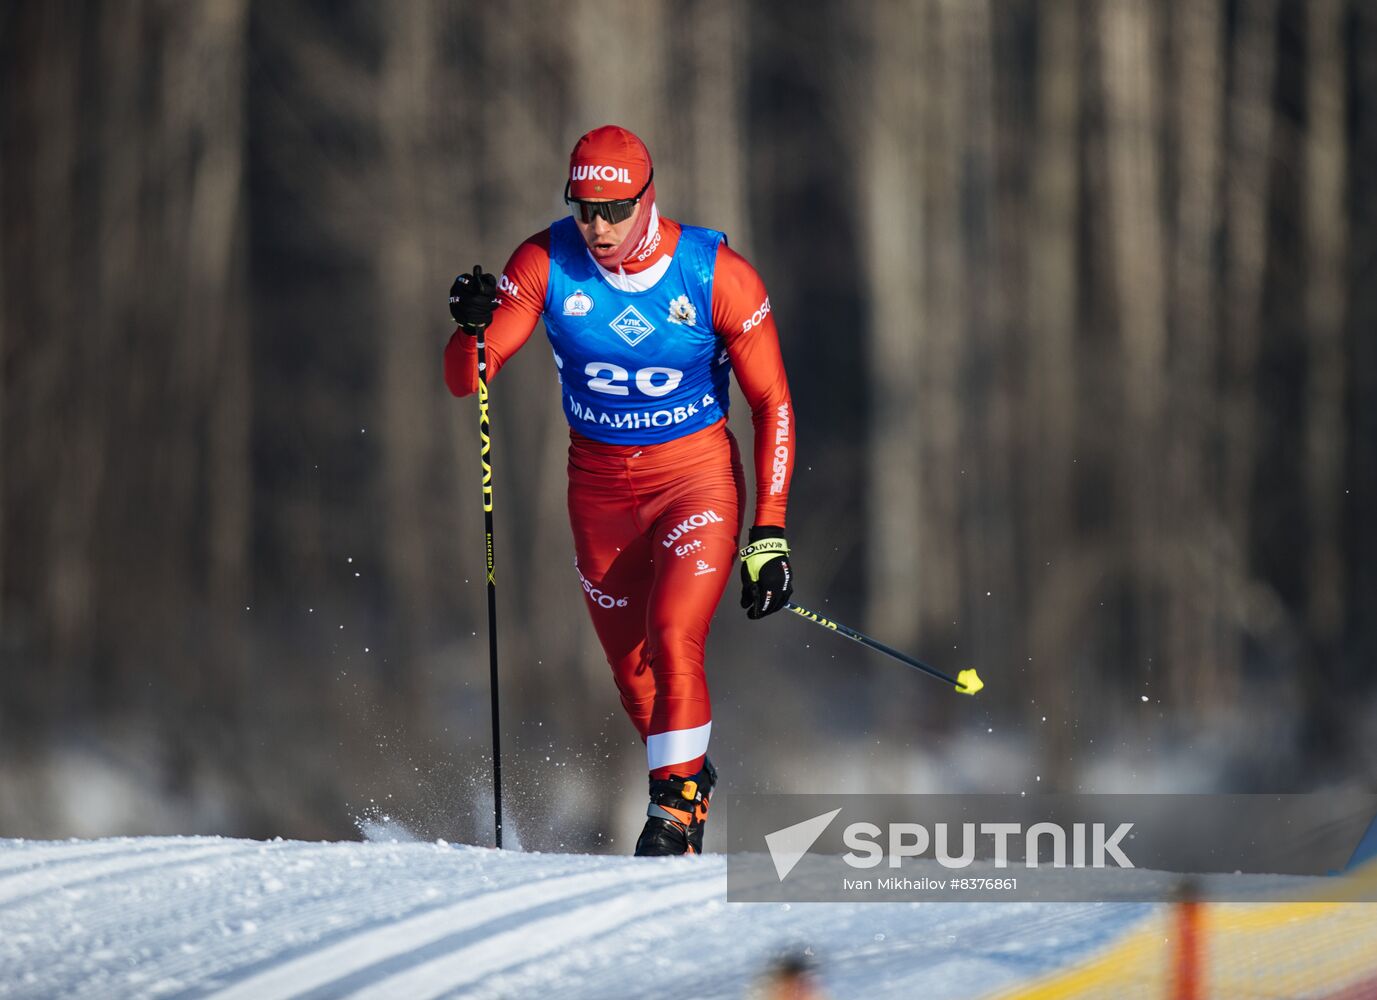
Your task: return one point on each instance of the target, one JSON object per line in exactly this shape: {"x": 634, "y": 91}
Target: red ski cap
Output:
{"x": 608, "y": 163}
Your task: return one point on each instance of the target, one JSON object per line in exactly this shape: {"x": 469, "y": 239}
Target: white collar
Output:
{"x": 641, "y": 281}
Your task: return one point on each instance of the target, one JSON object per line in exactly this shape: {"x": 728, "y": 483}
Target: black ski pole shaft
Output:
{"x": 484, "y": 432}
{"x": 965, "y": 682}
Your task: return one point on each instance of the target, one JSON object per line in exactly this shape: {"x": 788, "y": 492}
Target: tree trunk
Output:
{"x": 1051, "y": 430}
{"x": 988, "y": 501}
{"x": 892, "y": 208}
{"x": 718, "y": 51}
{"x": 1362, "y": 320}
{"x": 630, "y": 89}
{"x": 939, "y": 381}
{"x": 216, "y": 304}
{"x": 1131, "y": 78}
{"x": 69, "y": 437}
{"x": 1250, "y": 117}
{"x": 1325, "y": 239}
{"x": 1203, "y": 668}
{"x": 407, "y": 333}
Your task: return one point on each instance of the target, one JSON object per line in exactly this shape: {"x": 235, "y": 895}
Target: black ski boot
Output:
{"x": 677, "y": 813}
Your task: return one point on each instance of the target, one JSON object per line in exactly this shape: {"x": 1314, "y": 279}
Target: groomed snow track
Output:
{"x": 246, "y": 920}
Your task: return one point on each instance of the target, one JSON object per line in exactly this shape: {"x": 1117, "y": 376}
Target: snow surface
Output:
{"x": 250, "y": 920}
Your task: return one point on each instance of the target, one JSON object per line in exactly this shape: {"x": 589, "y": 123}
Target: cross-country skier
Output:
{"x": 647, "y": 318}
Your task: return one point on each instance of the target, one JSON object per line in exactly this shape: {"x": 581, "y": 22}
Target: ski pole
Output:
{"x": 965, "y": 682}
{"x": 485, "y": 435}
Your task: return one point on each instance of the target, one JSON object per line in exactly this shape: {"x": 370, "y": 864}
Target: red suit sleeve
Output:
{"x": 519, "y": 305}
{"x": 741, "y": 314}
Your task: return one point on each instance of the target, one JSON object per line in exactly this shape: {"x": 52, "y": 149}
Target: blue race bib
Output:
{"x": 636, "y": 367}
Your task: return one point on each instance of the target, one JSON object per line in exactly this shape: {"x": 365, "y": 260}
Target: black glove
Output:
{"x": 472, "y": 299}
{"x": 767, "y": 581}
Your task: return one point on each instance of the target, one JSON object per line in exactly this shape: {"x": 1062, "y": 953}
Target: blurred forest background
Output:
{"x": 1078, "y": 300}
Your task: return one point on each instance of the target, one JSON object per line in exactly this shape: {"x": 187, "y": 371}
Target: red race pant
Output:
{"x": 656, "y": 529}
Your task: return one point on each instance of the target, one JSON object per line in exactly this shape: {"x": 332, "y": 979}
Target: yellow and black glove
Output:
{"x": 767, "y": 580}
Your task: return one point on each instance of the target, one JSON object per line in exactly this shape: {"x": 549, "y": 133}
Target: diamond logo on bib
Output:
{"x": 631, "y": 326}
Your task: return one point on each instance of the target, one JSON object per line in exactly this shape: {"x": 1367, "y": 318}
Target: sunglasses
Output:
{"x": 612, "y": 211}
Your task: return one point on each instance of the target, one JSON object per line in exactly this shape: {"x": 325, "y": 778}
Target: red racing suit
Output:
{"x": 657, "y": 526}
